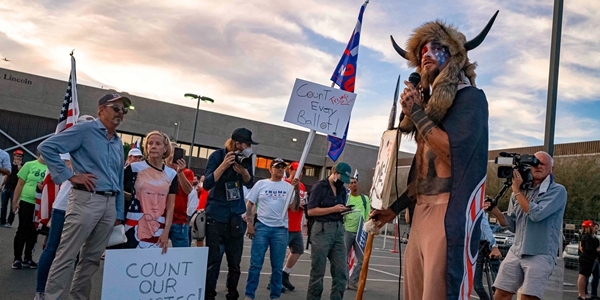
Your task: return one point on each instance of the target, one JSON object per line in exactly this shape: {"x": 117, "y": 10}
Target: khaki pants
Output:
{"x": 89, "y": 221}
{"x": 425, "y": 256}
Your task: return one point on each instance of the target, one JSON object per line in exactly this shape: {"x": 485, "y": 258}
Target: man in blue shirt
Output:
{"x": 96, "y": 203}
{"x": 225, "y": 177}
{"x": 535, "y": 215}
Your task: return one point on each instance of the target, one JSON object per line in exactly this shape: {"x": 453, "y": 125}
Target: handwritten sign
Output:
{"x": 386, "y": 163}
{"x": 320, "y": 108}
{"x": 146, "y": 274}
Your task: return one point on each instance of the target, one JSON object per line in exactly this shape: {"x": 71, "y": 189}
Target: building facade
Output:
{"x": 30, "y": 105}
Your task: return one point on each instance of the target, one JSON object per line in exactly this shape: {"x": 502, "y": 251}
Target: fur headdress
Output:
{"x": 445, "y": 85}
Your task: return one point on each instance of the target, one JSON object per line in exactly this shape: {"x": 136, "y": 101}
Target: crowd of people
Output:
{"x": 81, "y": 185}
{"x": 444, "y": 112}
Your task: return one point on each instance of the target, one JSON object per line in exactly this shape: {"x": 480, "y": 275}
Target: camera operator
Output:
{"x": 224, "y": 178}
{"x": 535, "y": 216}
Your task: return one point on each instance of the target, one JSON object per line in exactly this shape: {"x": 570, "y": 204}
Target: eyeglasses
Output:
{"x": 279, "y": 167}
{"x": 118, "y": 109}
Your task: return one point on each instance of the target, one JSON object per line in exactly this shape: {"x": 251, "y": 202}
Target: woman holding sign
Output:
{"x": 153, "y": 186}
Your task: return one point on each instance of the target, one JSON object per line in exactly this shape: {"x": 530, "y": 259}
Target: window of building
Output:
{"x": 310, "y": 171}
{"x": 185, "y": 147}
{"x": 209, "y": 152}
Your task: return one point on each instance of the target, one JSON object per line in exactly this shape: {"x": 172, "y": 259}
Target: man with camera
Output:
{"x": 227, "y": 171}
{"x": 535, "y": 216}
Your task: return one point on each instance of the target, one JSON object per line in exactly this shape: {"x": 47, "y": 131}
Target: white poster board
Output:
{"x": 320, "y": 108}
{"x": 147, "y": 274}
{"x": 383, "y": 179}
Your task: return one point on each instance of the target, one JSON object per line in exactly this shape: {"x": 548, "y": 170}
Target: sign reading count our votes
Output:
{"x": 146, "y": 274}
{"x": 320, "y": 108}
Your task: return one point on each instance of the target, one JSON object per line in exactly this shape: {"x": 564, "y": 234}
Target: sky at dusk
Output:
{"x": 247, "y": 54}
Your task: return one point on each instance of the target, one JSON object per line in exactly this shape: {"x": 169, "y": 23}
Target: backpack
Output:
{"x": 198, "y": 224}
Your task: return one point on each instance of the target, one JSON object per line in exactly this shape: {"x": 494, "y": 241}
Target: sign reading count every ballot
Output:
{"x": 320, "y": 108}
{"x": 146, "y": 274}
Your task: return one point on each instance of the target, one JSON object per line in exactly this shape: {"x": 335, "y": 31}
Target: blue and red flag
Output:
{"x": 136, "y": 145}
{"x": 345, "y": 76}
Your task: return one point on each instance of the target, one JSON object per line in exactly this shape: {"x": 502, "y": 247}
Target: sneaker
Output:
{"x": 285, "y": 280}
{"x": 6, "y": 225}
{"x": 352, "y": 286}
{"x": 31, "y": 264}
{"x": 17, "y": 264}
{"x": 39, "y": 296}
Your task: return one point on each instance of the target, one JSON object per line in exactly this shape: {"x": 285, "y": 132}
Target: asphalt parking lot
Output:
{"x": 382, "y": 282}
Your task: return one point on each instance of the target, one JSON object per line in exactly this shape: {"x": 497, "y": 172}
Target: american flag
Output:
{"x": 70, "y": 107}
{"x": 44, "y": 200}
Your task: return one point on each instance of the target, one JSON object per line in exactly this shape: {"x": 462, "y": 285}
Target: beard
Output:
{"x": 428, "y": 77}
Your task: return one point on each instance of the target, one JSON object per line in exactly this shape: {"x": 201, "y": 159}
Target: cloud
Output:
{"x": 246, "y": 55}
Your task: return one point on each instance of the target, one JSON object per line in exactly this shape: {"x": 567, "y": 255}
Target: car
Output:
{"x": 504, "y": 239}
{"x": 571, "y": 256}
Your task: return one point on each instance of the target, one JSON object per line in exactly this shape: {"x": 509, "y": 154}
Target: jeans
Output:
{"x": 481, "y": 291}
{"x": 179, "y": 235}
{"x": 26, "y": 236}
{"x": 56, "y": 226}
{"x": 231, "y": 235}
{"x": 276, "y": 239}
{"x": 7, "y": 196}
{"x": 350, "y": 241}
{"x": 327, "y": 242}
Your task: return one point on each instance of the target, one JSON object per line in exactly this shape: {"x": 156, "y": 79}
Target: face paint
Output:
{"x": 436, "y": 51}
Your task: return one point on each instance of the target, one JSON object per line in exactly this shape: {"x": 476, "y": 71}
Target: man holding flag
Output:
{"x": 362, "y": 206}
{"x": 345, "y": 76}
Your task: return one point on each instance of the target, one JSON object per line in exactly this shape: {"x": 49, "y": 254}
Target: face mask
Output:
{"x": 247, "y": 152}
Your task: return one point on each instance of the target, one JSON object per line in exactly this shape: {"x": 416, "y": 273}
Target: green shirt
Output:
{"x": 352, "y": 220}
{"x": 32, "y": 172}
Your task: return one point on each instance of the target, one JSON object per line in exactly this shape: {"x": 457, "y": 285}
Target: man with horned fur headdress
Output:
{"x": 448, "y": 117}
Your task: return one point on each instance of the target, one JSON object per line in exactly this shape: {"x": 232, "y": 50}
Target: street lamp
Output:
{"x": 205, "y": 99}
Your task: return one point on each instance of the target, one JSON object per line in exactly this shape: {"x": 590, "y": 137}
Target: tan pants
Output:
{"x": 89, "y": 221}
{"x": 425, "y": 256}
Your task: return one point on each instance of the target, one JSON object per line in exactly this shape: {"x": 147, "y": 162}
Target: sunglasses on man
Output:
{"x": 118, "y": 109}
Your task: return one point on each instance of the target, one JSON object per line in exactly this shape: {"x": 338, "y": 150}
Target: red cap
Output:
{"x": 587, "y": 223}
{"x": 18, "y": 151}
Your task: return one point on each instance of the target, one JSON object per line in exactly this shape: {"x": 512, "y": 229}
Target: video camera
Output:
{"x": 507, "y": 162}
{"x": 241, "y": 159}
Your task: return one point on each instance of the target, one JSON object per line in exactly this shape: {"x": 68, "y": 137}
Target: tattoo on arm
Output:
{"x": 423, "y": 123}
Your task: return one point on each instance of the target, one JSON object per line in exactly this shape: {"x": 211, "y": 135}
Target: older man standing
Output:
{"x": 96, "y": 203}
{"x": 535, "y": 215}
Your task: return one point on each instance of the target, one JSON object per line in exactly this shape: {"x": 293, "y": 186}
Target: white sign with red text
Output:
{"x": 320, "y": 108}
